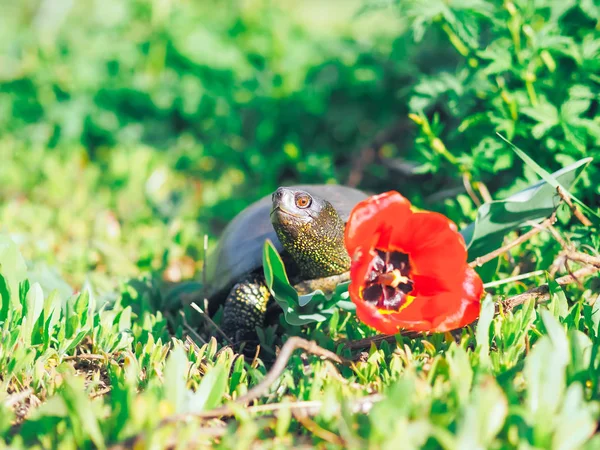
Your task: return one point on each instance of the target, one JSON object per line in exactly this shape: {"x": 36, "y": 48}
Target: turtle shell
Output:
{"x": 240, "y": 248}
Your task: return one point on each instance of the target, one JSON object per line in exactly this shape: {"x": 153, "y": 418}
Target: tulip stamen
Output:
{"x": 388, "y": 281}
{"x": 393, "y": 278}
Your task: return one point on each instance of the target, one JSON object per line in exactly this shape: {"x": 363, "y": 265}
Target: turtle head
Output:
{"x": 311, "y": 231}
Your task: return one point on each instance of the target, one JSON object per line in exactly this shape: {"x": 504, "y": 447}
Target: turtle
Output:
{"x": 306, "y": 225}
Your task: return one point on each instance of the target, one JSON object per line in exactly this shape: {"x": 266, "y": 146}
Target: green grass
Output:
{"x": 130, "y": 131}
{"x": 528, "y": 377}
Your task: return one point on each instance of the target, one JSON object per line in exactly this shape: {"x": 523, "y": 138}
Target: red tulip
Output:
{"x": 409, "y": 269}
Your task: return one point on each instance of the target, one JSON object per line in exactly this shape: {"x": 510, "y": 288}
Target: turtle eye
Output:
{"x": 303, "y": 201}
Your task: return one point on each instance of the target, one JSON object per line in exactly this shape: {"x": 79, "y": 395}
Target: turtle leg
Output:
{"x": 245, "y": 309}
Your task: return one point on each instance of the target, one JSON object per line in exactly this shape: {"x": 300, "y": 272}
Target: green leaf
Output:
{"x": 237, "y": 374}
{"x": 576, "y": 420}
{"x": 70, "y": 344}
{"x": 545, "y": 377}
{"x": 461, "y": 372}
{"x": 581, "y": 350}
{"x": 276, "y": 277}
{"x": 574, "y": 108}
{"x": 298, "y": 311}
{"x": 35, "y": 306}
{"x": 591, "y": 316}
{"x": 499, "y": 55}
{"x": 496, "y": 219}
{"x": 558, "y": 300}
{"x": 52, "y": 313}
{"x": 340, "y": 294}
{"x": 175, "y": 378}
{"x": 124, "y": 319}
{"x": 4, "y": 299}
{"x": 54, "y": 407}
{"x": 12, "y": 270}
{"x": 545, "y": 114}
{"x": 211, "y": 390}
{"x": 81, "y": 412}
{"x": 346, "y": 305}
{"x": 484, "y": 416}
{"x": 482, "y": 334}
{"x": 284, "y": 420}
{"x": 7, "y": 416}
{"x": 551, "y": 179}
{"x": 556, "y": 332}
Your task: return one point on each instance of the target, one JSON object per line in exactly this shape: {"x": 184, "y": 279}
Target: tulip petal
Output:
{"x": 436, "y": 249}
{"x": 445, "y": 311}
{"x": 371, "y": 220}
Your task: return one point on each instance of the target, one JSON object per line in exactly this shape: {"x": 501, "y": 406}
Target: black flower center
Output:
{"x": 388, "y": 283}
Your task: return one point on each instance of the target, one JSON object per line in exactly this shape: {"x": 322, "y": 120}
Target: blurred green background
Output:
{"x": 130, "y": 129}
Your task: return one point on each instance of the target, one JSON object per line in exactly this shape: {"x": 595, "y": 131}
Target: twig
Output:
{"x": 190, "y": 329}
{"x": 85, "y": 356}
{"x": 210, "y": 321}
{"x": 379, "y": 338}
{"x": 570, "y": 253}
{"x": 483, "y": 190}
{"x": 391, "y": 338}
{"x": 576, "y": 212}
{"x": 583, "y": 258}
{"x": 478, "y": 262}
{"x": 556, "y": 235}
{"x": 204, "y": 261}
{"x": 204, "y": 284}
{"x": 192, "y": 344}
{"x": 317, "y": 430}
{"x": 101, "y": 392}
{"x": 541, "y": 293}
{"x": 310, "y": 408}
{"x": 261, "y": 388}
{"x": 17, "y": 397}
{"x": 469, "y": 188}
{"x": 568, "y": 268}
{"x": 175, "y": 441}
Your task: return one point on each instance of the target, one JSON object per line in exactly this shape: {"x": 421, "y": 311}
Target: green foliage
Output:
{"x": 497, "y": 219}
{"x": 315, "y": 306}
{"x": 245, "y": 95}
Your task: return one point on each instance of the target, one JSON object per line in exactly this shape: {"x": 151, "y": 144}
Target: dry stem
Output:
{"x": 576, "y": 212}
{"x": 541, "y": 293}
{"x": 211, "y": 322}
{"x": 263, "y": 387}
{"x": 525, "y": 237}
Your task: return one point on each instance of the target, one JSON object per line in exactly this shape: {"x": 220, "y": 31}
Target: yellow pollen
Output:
{"x": 393, "y": 278}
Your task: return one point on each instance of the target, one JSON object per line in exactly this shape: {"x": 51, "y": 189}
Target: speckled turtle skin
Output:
{"x": 235, "y": 270}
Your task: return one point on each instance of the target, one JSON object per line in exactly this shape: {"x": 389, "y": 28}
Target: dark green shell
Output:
{"x": 240, "y": 248}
